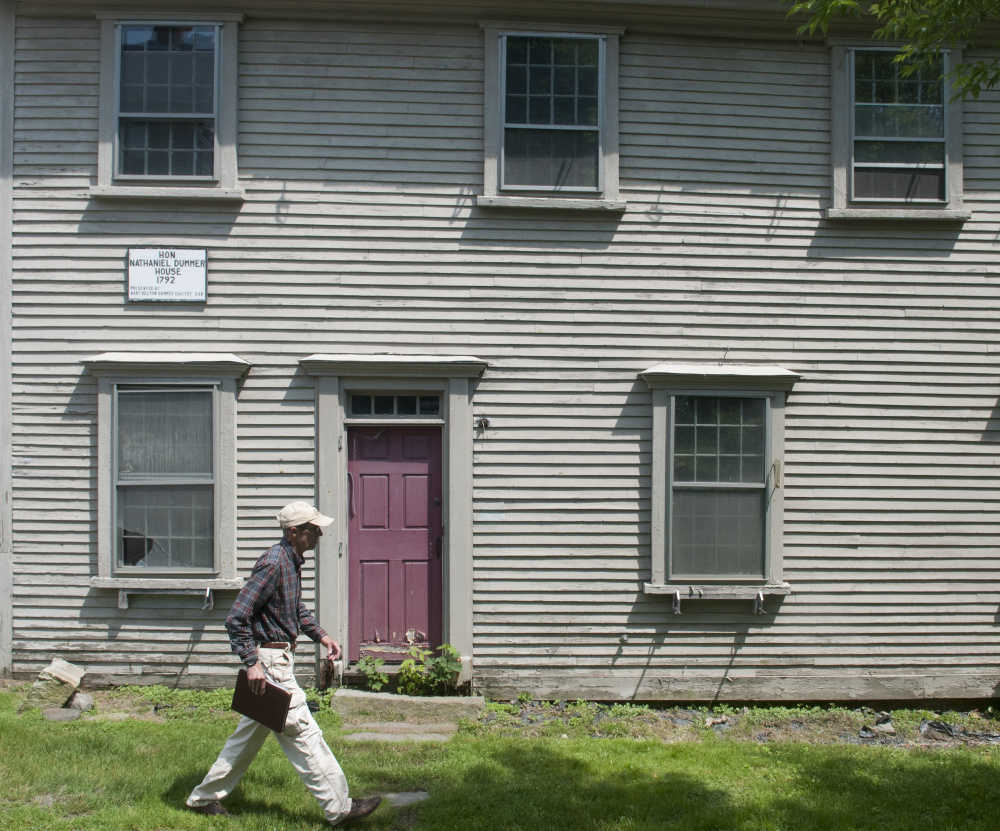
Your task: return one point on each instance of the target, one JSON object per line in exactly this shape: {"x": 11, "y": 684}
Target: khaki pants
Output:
{"x": 302, "y": 742}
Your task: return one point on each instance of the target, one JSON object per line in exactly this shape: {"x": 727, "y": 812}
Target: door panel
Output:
{"x": 394, "y": 540}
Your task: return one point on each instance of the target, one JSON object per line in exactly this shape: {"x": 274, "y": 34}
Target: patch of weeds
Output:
{"x": 375, "y": 676}
{"x": 174, "y": 703}
{"x": 501, "y": 707}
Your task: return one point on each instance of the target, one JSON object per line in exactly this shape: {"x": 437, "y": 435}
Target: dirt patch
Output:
{"x": 810, "y": 725}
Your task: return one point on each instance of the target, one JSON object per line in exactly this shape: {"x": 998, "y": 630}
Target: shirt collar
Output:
{"x": 297, "y": 559}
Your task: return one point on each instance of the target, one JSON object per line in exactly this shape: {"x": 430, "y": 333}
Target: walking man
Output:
{"x": 263, "y": 626}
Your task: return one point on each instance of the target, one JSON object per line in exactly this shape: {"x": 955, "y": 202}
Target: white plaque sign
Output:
{"x": 166, "y": 273}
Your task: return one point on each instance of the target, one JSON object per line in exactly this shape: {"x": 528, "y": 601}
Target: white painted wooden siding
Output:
{"x": 360, "y": 151}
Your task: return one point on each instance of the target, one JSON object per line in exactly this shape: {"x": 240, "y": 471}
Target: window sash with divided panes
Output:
{"x": 717, "y": 508}
{"x": 168, "y": 78}
{"x": 552, "y": 111}
{"x": 164, "y": 479}
{"x": 899, "y": 144}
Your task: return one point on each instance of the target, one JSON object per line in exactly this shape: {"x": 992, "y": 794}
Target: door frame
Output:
{"x": 454, "y": 377}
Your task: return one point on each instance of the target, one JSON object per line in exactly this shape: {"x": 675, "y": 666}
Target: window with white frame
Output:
{"x": 716, "y": 484}
{"x": 551, "y": 116}
{"x": 168, "y": 107}
{"x": 167, "y": 475}
{"x": 897, "y": 136}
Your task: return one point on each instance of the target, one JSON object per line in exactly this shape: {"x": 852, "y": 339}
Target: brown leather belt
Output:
{"x": 278, "y": 645}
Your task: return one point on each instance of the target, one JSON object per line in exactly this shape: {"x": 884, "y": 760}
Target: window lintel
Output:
{"x": 713, "y": 376}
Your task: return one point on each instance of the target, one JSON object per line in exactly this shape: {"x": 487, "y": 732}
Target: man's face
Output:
{"x": 305, "y": 538}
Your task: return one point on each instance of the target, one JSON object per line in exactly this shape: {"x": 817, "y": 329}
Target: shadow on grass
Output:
{"x": 518, "y": 786}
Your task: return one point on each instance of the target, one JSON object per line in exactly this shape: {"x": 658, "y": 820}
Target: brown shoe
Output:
{"x": 212, "y": 809}
{"x": 360, "y": 808}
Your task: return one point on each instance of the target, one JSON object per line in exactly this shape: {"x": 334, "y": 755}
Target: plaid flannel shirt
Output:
{"x": 269, "y": 607}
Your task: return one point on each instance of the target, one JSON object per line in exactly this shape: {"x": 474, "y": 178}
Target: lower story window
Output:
{"x": 716, "y": 486}
{"x": 718, "y": 503}
{"x": 164, "y": 478}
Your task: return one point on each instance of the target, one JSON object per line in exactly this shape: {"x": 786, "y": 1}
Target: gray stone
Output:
{"x": 354, "y": 705}
{"x": 397, "y": 737}
{"x": 400, "y": 727}
{"x": 81, "y": 701}
{"x": 885, "y": 728}
{"x": 61, "y": 714}
{"x": 54, "y": 686}
{"x": 400, "y": 800}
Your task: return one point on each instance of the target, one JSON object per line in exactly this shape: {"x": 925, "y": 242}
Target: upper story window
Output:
{"x": 899, "y": 146}
{"x": 897, "y": 138}
{"x": 551, "y": 119}
{"x": 167, "y": 96}
{"x": 552, "y": 114}
{"x": 168, "y": 107}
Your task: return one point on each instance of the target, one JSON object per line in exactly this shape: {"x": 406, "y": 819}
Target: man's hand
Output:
{"x": 255, "y": 678}
{"x": 332, "y": 648}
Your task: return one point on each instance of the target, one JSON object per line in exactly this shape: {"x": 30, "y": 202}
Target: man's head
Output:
{"x": 302, "y": 525}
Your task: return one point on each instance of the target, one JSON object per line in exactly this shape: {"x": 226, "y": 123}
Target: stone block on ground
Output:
{"x": 359, "y": 705}
{"x": 81, "y": 701}
{"x": 397, "y": 737}
{"x": 400, "y": 800}
{"x": 54, "y": 686}
{"x": 61, "y": 714}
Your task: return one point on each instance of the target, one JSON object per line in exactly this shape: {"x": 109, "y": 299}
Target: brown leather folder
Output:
{"x": 270, "y": 709}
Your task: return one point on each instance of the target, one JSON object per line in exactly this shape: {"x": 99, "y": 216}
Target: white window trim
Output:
{"x": 606, "y": 198}
{"x": 225, "y": 185}
{"x": 454, "y": 377}
{"x": 842, "y": 154}
{"x": 667, "y": 380}
{"x": 221, "y": 371}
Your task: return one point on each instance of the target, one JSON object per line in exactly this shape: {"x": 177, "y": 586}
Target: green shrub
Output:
{"x": 371, "y": 668}
{"x": 425, "y": 673}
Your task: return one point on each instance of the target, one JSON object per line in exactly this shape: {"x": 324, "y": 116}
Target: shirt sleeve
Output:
{"x": 252, "y": 596}
{"x": 309, "y": 625}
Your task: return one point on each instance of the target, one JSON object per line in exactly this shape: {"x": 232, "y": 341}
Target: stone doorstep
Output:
{"x": 397, "y": 737}
{"x": 403, "y": 727}
{"x": 360, "y": 705}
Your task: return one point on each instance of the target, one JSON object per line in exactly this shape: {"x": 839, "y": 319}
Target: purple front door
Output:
{"x": 394, "y": 539}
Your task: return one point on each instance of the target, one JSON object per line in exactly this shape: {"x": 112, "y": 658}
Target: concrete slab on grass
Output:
{"x": 402, "y": 727}
{"x": 360, "y": 705}
{"x": 401, "y": 800}
{"x": 397, "y": 737}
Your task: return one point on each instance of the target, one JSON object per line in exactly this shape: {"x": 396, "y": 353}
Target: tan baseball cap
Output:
{"x": 298, "y": 514}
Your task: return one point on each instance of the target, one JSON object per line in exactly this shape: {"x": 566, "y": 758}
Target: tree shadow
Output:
{"x": 524, "y": 786}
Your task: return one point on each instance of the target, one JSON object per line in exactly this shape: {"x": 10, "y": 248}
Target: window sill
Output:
{"x": 167, "y": 192}
{"x": 139, "y": 585}
{"x": 897, "y": 214}
{"x": 552, "y": 203}
{"x": 716, "y": 592}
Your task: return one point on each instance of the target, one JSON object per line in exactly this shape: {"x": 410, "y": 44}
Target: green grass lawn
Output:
{"x": 136, "y": 774}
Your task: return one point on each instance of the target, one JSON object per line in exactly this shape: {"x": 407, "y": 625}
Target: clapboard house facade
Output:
{"x": 639, "y": 349}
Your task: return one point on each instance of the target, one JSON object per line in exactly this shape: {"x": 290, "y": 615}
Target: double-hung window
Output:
{"x": 167, "y": 99}
{"x": 164, "y": 474}
{"x": 899, "y": 146}
{"x": 717, "y": 503}
{"x": 551, "y": 112}
{"x": 168, "y": 107}
{"x": 551, "y": 118}
{"x": 897, "y": 137}
{"x": 167, "y": 469}
{"x": 717, "y": 479}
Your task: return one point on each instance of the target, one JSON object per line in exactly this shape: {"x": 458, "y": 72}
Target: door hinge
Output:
{"x": 340, "y": 549}
{"x": 340, "y": 442}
